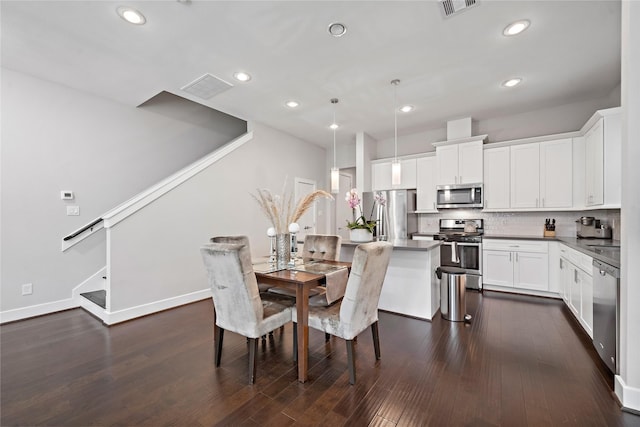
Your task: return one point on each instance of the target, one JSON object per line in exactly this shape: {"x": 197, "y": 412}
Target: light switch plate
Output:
{"x": 73, "y": 210}
{"x": 27, "y": 289}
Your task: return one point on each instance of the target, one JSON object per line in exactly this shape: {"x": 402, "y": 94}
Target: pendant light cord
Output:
{"x": 395, "y": 84}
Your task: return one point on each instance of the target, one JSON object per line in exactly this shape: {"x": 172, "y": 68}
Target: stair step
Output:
{"x": 97, "y": 297}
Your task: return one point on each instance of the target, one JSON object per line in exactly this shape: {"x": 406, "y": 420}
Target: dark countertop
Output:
{"x": 599, "y": 249}
{"x": 405, "y": 244}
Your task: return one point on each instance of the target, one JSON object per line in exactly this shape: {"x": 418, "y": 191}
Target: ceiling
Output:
{"x": 449, "y": 67}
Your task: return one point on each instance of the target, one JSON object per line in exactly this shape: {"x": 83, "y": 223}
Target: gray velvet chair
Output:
{"x": 315, "y": 247}
{"x": 359, "y": 308}
{"x": 238, "y": 305}
{"x": 243, "y": 240}
{"x": 318, "y": 246}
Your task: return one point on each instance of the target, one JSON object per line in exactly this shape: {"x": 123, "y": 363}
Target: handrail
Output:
{"x": 82, "y": 230}
{"x": 132, "y": 205}
{"x": 137, "y": 202}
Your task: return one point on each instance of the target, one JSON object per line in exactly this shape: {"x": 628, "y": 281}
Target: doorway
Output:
{"x": 307, "y": 222}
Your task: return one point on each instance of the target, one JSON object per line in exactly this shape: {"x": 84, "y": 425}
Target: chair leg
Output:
{"x": 376, "y": 339}
{"x": 253, "y": 356}
{"x": 295, "y": 342}
{"x": 351, "y": 362}
{"x": 218, "y": 335}
{"x": 327, "y": 337}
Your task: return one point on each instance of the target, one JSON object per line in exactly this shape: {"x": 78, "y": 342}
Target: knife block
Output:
{"x": 549, "y": 233}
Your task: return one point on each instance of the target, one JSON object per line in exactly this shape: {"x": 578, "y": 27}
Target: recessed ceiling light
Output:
{"x": 516, "y": 27}
{"x": 333, "y": 126}
{"x": 291, "y": 104}
{"x": 406, "y": 108}
{"x": 512, "y": 82}
{"x": 337, "y": 29}
{"x": 131, "y": 15}
{"x": 241, "y": 76}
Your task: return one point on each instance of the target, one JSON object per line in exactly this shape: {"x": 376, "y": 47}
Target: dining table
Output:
{"x": 303, "y": 276}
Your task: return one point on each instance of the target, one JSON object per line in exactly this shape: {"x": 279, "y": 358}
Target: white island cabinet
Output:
{"x": 410, "y": 287}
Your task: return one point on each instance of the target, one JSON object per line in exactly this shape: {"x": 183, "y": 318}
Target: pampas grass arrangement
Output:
{"x": 279, "y": 208}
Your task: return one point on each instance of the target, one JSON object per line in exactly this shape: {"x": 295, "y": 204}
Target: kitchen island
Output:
{"x": 411, "y": 287}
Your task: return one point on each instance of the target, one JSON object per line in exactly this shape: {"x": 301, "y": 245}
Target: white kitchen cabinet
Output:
{"x": 577, "y": 283}
{"x": 522, "y": 264}
{"x": 586, "y": 301}
{"x": 426, "y": 183}
{"x": 497, "y": 178}
{"x": 556, "y": 173}
{"x": 525, "y": 175}
{"x": 594, "y": 164}
{"x": 603, "y": 157}
{"x": 381, "y": 175}
{"x": 460, "y": 163}
{"x": 542, "y": 174}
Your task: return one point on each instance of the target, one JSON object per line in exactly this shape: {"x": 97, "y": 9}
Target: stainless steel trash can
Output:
{"x": 453, "y": 304}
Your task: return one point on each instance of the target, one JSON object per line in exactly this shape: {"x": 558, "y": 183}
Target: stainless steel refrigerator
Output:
{"x": 397, "y": 218}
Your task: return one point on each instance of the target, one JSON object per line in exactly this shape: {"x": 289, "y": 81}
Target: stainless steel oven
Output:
{"x": 462, "y": 247}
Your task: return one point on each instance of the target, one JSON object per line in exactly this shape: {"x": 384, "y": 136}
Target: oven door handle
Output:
{"x": 462, "y": 244}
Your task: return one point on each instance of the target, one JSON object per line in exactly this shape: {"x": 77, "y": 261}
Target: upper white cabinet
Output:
{"x": 497, "y": 189}
{"x": 381, "y": 175}
{"x": 556, "y": 173}
{"x": 603, "y": 158}
{"x": 594, "y": 164}
{"x": 459, "y": 163}
{"x": 525, "y": 176}
{"x": 426, "y": 183}
{"x": 542, "y": 174}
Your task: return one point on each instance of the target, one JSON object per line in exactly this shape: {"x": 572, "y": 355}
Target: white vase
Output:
{"x": 360, "y": 235}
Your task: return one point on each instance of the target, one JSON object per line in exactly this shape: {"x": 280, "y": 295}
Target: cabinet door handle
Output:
{"x": 561, "y": 263}
{"x": 536, "y": 203}
{"x": 434, "y": 205}
{"x": 543, "y": 202}
{"x": 575, "y": 276}
{"x": 510, "y": 253}
{"x": 517, "y": 260}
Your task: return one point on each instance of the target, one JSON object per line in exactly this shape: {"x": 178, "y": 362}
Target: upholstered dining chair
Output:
{"x": 238, "y": 305}
{"x": 243, "y": 240}
{"x": 316, "y": 247}
{"x": 358, "y": 310}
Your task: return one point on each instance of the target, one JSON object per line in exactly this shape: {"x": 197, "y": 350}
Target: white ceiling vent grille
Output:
{"x": 207, "y": 86}
{"x": 452, "y": 7}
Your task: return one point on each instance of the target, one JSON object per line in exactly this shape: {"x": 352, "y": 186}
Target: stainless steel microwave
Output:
{"x": 459, "y": 196}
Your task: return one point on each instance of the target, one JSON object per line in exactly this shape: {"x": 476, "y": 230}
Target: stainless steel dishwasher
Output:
{"x": 606, "y": 319}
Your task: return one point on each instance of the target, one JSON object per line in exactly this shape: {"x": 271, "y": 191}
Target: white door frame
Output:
{"x": 311, "y": 182}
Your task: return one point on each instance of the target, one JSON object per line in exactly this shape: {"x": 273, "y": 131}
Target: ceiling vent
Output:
{"x": 206, "y": 87}
{"x": 452, "y": 7}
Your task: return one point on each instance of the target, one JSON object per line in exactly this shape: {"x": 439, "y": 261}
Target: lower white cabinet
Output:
{"x": 576, "y": 284}
{"x": 522, "y": 264}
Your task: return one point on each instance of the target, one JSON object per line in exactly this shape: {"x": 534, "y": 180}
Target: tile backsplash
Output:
{"x": 522, "y": 223}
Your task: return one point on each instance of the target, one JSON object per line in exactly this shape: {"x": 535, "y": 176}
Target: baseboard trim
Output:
{"x": 37, "y": 310}
{"x": 629, "y": 396}
{"x": 113, "y": 317}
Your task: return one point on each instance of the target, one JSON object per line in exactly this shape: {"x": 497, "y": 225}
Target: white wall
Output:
{"x": 55, "y": 138}
{"x": 155, "y": 252}
{"x": 628, "y": 382}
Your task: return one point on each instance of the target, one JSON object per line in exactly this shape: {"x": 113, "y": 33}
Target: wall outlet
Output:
{"x": 27, "y": 289}
{"x": 73, "y": 210}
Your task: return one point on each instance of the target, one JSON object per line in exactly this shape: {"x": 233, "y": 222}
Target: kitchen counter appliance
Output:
{"x": 590, "y": 228}
{"x": 606, "y": 317}
{"x": 462, "y": 248}
{"x": 459, "y": 196}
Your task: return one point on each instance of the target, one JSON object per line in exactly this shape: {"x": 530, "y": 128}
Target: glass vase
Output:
{"x": 283, "y": 250}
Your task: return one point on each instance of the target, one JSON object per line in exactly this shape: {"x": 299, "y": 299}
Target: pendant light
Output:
{"x": 396, "y": 172}
{"x": 335, "y": 172}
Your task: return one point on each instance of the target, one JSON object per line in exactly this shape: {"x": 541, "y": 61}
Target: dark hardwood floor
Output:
{"x": 522, "y": 361}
